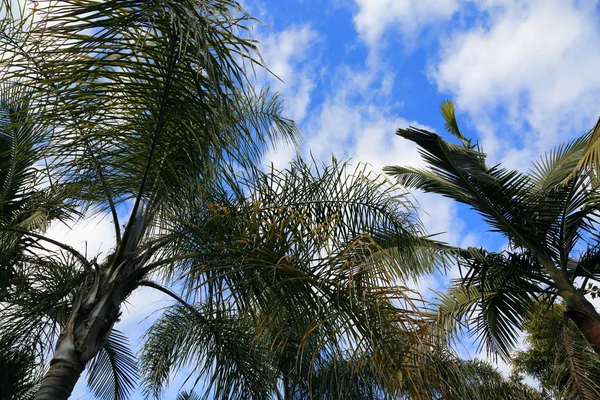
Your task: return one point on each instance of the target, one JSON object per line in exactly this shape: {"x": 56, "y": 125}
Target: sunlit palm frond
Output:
{"x": 149, "y": 99}
{"x": 590, "y": 157}
{"x": 336, "y": 378}
{"x": 451, "y": 125}
{"x": 552, "y": 168}
{"x": 303, "y": 254}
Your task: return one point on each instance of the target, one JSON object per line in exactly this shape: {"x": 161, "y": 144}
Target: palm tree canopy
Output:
{"x": 546, "y": 222}
{"x": 116, "y": 106}
{"x": 308, "y": 273}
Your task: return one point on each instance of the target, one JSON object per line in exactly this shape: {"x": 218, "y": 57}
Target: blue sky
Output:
{"x": 523, "y": 76}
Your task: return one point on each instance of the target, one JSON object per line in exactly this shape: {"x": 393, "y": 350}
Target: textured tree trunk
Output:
{"x": 95, "y": 311}
{"x": 587, "y": 319}
{"x": 62, "y": 376}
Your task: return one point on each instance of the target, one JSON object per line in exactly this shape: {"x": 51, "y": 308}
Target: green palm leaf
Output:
{"x": 112, "y": 374}
{"x": 220, "y": 343}
{"x": 493, "y": 299}
{"x": 546, "y": 215}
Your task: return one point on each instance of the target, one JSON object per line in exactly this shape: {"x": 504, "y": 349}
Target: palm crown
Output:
{"x": 548, "y": 216}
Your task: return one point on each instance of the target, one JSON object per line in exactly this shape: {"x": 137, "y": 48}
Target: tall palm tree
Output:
{"x": 550, "y": 226}
{"x": 144, "y": 106}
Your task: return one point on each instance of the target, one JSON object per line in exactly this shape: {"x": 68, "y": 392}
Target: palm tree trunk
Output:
{"x": 587, "y": 319}
{"x": 95, "y": 311}
{"x": 65, "y": 370}
{"x": 579, "y": 309}
{"x": 287, "y": 389}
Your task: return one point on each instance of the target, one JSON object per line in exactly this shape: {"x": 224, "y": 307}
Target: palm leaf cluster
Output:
{"x": 558, "y": 354}
{"x": 288, "y": 283}
{"x": 110, "y": 106}
{"x": 305, "y": 286}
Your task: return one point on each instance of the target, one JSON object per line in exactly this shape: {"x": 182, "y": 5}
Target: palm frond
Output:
{"x": 112, "y": 373}
{"x": 590, "y": 159}
{"x": 217, "y": 343}
{"x": 499, "y": 195}
{"x": 491, "y": 306}
{"x": 552, "y": 168}
{"x": 18, "y": 369}
{"x": 188, "y": 396}
{"x": 578, "y": 373}
{"x": 451, "y": 125}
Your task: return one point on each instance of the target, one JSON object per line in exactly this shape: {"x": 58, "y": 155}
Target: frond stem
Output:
{"x": 170, "y": 293}
{"x": 86, "y": 264}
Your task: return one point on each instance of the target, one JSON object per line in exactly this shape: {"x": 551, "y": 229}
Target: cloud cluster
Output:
{"x": 530, "y": 70}
{"x": 524, "y": 72}
{"x": 404, "y": 16}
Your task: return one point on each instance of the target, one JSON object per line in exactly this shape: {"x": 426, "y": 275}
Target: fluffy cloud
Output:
{"x": 524, "y": 72}
{"x": 92, "y": 236}
{"x": 406, "y": 16}
{"x": 288, "y": 55}
{"x": 530, "y": 68}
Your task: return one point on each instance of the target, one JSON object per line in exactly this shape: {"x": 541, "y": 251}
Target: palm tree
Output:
{"x": 550, "y": 226}
{"x": 342, "y": 237}
{"x": 142, "y": 105}
{"x": 360, "y": 337}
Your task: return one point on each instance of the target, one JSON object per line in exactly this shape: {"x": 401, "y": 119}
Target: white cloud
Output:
{"x": 374, "y": 17}
{"x": 92, "y": 236}
{"x": 289, "y": 55}
{"x": 530, "y": 69}
{"x": 355, "y": 122}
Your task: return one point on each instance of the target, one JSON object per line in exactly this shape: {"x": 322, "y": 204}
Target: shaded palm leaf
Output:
{"x": 578, "y": 371}
{"x": 113, "y": 372}
{"x": 493, "y": 299}
{"x": 187, "y": 396}
{"x": 219, "y": 343}
{"x": 17, "y": 366}
{"x": 544, "y": 215}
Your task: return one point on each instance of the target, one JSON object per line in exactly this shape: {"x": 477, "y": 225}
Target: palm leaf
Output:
{"x": 188, "y": 396}
{"x": 451, "y": 125}
{"x": 112, "y": 373}
{"x": 18, "y": 369}
{"x": 492, "y": 304}
{"x": 578, "y": 371}
{"x": 590, "y": 159}
{"x": 219, "y": 343}
{"x": 499, "y": 195}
